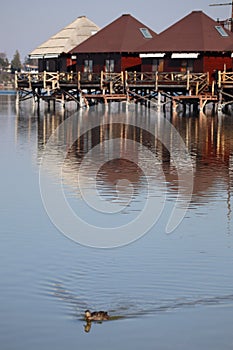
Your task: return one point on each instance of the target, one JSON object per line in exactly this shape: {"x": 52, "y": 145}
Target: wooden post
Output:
{"x": 212, "y": 88}
{"x": 30, "y": 81}
{"x": 188, "y": 80}
{"x": 219, "y": 79}
{"x": 79, "y": 80}
{"x": 58, "y": 80}
{"x": 208, "y": 78}
{"x": 122, "y": 81}
{"x": 111, "y": 87}
{"x": 16, "y": 79}
{"x": 126, "y": 81}
{"x": 156, "y": 80}
{"x": 44, "y": 80}
{"x": 101, "y": 80}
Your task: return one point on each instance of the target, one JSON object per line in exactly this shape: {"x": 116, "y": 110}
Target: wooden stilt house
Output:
{"x": 113, "y": 48}
{"x": 196, "y": 43}
{"x": 54, "y": 54}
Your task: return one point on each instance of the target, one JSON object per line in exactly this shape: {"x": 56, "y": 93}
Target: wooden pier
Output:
{"x": 87, "y": 88}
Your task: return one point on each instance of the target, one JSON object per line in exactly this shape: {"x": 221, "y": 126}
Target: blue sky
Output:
{"x": 26, "y": 24}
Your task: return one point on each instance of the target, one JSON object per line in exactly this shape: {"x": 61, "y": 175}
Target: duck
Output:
{"x": 96, "y": 316}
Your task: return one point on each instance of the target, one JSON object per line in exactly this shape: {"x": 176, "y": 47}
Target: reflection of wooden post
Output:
{"x": 174, "y": 105}
{"x": 17, "y": 98}
{"x": 159, "y": 101}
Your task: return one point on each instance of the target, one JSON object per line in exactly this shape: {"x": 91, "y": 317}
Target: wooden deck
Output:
{"x": 113, "y": 82}
{"x": 64, "y": 87}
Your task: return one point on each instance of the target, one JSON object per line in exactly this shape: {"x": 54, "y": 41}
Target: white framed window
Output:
{"x": 109, "y": 66}
{"x": 145, "y": 32}
{"x": 221, "y": 31}
{"x": 88, "y": 66}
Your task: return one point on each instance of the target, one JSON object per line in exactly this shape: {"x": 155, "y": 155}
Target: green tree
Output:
{"x": 4, "y": 63}
{"x": 16, "y": 62}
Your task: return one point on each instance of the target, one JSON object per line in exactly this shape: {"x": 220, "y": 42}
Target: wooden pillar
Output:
{"x": 111, "y": 88}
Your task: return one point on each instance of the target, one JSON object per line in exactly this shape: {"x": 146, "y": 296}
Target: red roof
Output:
{"x": 194, "y": 33}
{"x": 122, "y": 35}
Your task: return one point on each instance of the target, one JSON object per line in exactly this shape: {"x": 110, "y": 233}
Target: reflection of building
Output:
{"x": 208, "y": 139}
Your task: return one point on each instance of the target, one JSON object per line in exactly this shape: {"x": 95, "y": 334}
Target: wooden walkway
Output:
{"x": 201, "y": 99}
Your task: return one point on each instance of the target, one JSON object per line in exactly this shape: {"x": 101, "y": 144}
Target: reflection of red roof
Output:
{"x": 194, "y": 33}
{"x": 122, "y": 35}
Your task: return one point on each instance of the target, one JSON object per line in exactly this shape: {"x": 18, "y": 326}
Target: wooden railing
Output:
{"x": 199, "y": 81}
{"x": 196, "y": 82}
{"x": 28, "y": 78}
{"x": 225, "y": 79}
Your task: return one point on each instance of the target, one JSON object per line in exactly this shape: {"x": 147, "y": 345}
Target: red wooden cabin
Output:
{"x": 196, "y": 43}
{"x": 113, "y": 49}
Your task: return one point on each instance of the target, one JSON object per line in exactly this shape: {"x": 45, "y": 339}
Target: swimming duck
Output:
{"x": 96, "y": 315}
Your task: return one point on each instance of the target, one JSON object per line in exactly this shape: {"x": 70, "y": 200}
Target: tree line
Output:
{"x": 15, "y": 64}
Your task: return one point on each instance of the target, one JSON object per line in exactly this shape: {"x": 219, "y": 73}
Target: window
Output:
{"x": 88, "y": 66}
{"x": 109, "y": 66}
{"x": 145, "y": 32}
{"x": 221, "y": 31}
{"x": 155, "y": 64}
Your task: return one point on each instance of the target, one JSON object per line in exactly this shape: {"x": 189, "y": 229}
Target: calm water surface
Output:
{"x": 163, "y": 291}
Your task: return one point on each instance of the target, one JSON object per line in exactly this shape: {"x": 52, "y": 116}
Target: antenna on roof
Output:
{"x": 229, "y": 20}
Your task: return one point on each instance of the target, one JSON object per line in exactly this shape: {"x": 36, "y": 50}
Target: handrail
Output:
{"x": 52, "y": 80}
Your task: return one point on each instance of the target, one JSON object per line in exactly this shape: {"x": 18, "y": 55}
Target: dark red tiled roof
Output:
{"x": 122, "y": 35}
{"x": 194, "y": 33}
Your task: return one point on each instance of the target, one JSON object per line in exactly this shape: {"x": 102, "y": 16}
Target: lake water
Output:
{"x": 162, "y": 290}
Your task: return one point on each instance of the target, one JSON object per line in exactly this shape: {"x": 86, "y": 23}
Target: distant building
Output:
{"x": 196, "y": 43}
{"x": 114, "y": 48}
{"x": 53, "y": 55}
